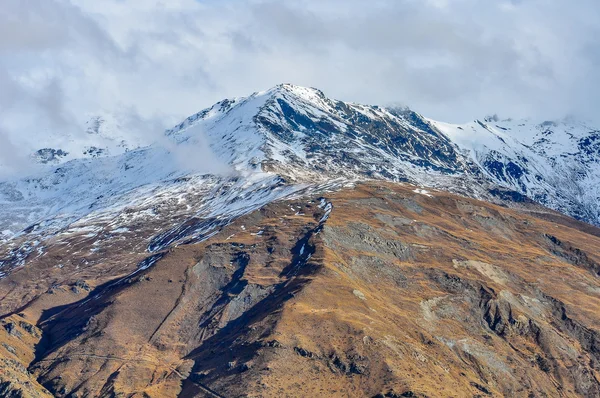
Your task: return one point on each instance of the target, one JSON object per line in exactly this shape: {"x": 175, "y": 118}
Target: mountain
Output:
{"x": 300, "y": 133}
{"x": 188, "y": 266}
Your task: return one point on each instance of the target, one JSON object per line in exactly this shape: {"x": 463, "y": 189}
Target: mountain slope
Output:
{"x": 272, "y": 145}
{"x": 370, "y": 290}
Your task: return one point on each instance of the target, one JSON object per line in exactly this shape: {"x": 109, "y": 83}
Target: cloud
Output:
{"x": 150, "y": 63}
{"x": 14, "y": 160}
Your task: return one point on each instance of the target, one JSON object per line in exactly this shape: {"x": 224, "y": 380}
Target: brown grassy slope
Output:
{"x": 402, "y": 293}
{"x": 443, "y": 296}
{"x": 134, "y": 336}
{"x": 431, "y": 296}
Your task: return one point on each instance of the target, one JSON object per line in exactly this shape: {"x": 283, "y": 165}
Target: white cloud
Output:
{"x": 151, "y": 63}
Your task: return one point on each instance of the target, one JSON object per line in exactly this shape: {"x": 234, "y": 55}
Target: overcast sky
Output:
{"x": 152, "y": 63}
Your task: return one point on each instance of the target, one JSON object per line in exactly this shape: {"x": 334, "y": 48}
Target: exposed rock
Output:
{"x": 49, "y": 155}
{"x": 12, "y": 330}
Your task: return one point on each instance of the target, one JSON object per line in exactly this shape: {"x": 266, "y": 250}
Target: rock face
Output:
{"x": 17, "y": 339}
{"x": 49, "y": 155}
{"x": 373, "y": 290}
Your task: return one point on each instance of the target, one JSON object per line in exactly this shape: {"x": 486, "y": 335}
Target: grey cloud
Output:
{"x": 158, "y": 62}
{"x": 436, "y": 54}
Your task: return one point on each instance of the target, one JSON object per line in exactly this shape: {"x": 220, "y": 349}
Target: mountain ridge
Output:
{"x": 300, "y": 134}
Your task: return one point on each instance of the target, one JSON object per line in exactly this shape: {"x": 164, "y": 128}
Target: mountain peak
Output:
{"x": 305, "y": 93}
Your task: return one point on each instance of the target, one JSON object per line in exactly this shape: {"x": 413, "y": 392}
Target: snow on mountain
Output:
{"x": 554, "y": 163}
{"x": 300, "y": 133}
{"x": 99, "y": 135}
{"x": 287, "y": 141}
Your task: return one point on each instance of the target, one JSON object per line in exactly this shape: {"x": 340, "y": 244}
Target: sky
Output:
{"x": 150, "y": 63}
